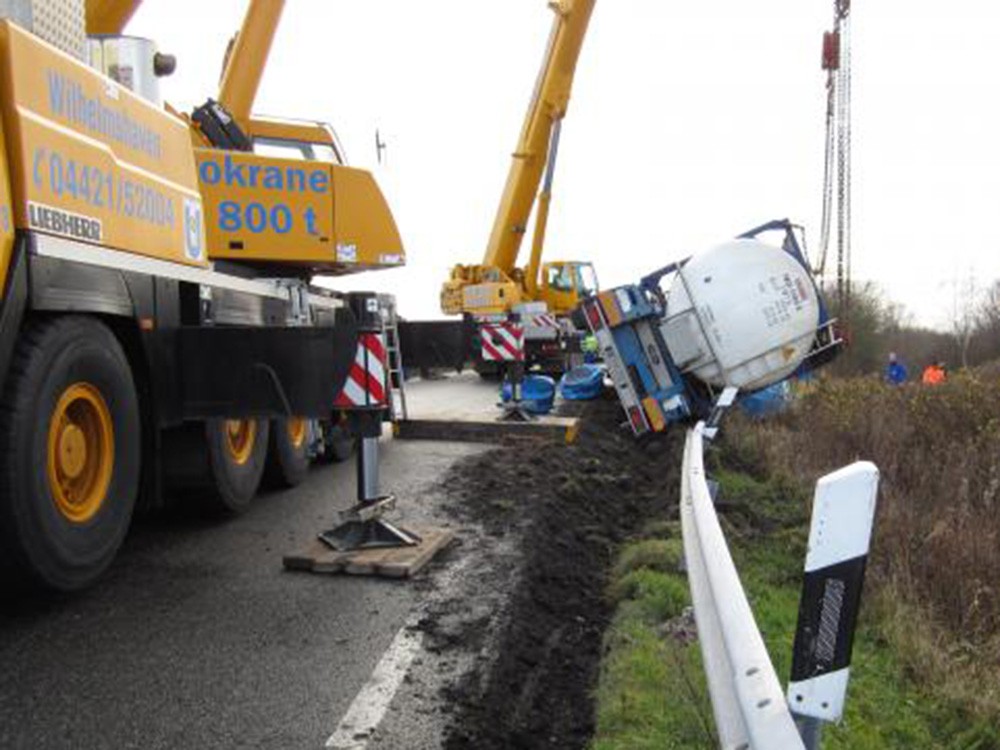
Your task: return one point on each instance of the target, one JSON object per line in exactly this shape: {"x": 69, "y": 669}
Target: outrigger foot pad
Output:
{"x": 362, "y": 527}
{"x": 515, "y": 413}
{"x": 374, "y": 534}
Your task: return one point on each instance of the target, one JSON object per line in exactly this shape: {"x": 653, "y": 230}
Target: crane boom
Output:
{"x": 247, "y": 58}
{"x": 109, "y": 16}
{"x": 548, "y": 106}
{"x": 245, "y": 62}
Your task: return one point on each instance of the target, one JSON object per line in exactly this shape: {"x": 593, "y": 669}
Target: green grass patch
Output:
{"x": 654, "y": 596}
{"x": 652, "y": 691}
{"x": 663, "y": 555}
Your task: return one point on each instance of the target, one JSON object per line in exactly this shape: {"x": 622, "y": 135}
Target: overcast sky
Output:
{"x": 689, "y": 123}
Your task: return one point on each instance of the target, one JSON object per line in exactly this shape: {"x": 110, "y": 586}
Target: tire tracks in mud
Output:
{"x": 519, "y": 637}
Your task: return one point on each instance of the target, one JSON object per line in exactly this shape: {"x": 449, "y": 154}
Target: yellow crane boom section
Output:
{"x": 247, "y": 58}
{"x": 245, "y": 62}
{"x": 109, "y": 16}
{"x": 548, "y": 106}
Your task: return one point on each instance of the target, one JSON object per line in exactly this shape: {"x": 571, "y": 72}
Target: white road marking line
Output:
{"x": 370, "y": 704}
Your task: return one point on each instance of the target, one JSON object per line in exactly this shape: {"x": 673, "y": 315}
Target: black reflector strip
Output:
{"x": 828, "y": 614}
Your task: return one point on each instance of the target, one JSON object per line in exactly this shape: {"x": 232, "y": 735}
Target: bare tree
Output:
{"x": 985, "y": 345}
{"x": 965, "y": 311}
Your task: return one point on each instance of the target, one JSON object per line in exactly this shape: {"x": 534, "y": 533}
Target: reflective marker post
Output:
{"x": 725, "y": 400}
{"x": 839, "y": 539}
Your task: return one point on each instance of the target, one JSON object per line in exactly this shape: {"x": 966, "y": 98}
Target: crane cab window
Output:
{"x": 561, "y": 278}
{"x": 588, "y": 279}
{"x": 279, "y": 148}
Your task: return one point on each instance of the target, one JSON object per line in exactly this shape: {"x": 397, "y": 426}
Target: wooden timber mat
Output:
{"x": 387, "y": 562}
{"x": 465, "y": 429}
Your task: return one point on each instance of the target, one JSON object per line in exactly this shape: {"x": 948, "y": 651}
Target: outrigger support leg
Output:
{"x": 513, "y": 410}
{"x": 362, "y": 526}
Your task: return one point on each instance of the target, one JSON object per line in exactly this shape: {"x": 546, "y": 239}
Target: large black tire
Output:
{"x": 287, "y": 454}
{"x": 65, "y": 512}
{"x": 201, "y": 466}
{"x": 235, "y": 484}
{"x": 489, "y": 371}
{"x": 338, "y": 445}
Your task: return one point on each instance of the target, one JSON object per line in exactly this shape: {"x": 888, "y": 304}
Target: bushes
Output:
{"x": 937, "y": 534}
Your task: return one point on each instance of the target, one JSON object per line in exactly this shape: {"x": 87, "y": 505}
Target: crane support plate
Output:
{"x": 444, "y": 344}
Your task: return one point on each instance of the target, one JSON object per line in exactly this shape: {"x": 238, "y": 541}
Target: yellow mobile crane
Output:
{"x": 497, "y": 286}
{"x": 156, "y": 321}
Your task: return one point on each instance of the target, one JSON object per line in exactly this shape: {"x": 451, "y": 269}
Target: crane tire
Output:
{"x": 236, "y": 471}
{"x": 216, "y": 464}
{"x": 488, "y": 371}
{"x": 69, "y": 453}
{"x": 287, "y": 454}
{"x": 338, "y": 444}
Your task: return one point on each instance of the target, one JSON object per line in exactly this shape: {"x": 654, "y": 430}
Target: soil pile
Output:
{"x": 567, "y": 510}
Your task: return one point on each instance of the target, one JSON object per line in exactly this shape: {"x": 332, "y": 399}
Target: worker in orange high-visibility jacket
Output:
{"x": 934, "y": 374}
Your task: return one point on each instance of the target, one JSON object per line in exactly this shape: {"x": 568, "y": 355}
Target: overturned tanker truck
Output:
{"x": 734, "y": 319}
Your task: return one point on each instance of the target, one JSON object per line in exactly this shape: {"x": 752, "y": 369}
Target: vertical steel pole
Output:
{"x": 811, "y": 731}
{"x": 367, "y": 470}
{"x": 516, "y": 372}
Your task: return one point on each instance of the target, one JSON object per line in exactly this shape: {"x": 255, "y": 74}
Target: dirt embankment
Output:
{"x": 566, "y": 509}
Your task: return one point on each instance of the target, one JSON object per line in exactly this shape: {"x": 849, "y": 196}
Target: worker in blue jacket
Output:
{"x": 895, "y": 371}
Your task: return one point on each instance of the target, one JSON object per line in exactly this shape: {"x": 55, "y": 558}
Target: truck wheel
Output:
{"x": 69, "y": 453}
{"x": 489, "y": 371}
{"x": 339, "y": 445}
{"x": 237, "y": 454}
{"x": 288, "y": 453}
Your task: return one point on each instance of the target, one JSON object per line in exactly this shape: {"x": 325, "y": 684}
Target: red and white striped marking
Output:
{"x": 502, "y": 342}
{"x": 366, "y": 384}
{"x": 547, "y": 320}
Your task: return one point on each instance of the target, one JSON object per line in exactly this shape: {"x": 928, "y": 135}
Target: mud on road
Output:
{"x": 532, "y": 629}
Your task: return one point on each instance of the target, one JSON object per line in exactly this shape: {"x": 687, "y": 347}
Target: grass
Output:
{"x": 652, "y": 690}
{"x": 933, "y": 567}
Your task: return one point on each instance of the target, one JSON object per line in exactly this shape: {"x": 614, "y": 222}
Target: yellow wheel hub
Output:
{"x": 72, "y": 451}
{"x": 297, "y": 431}
{"x": 241, "y": 435}
{"x": 81, "y": 452}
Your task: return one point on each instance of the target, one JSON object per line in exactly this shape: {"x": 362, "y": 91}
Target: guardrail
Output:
{"x": 747, "y": 700}
{"x": 751, "y": 712}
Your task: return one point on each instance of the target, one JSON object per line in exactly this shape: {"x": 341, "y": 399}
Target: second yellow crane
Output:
{"x": 497, "y": 286}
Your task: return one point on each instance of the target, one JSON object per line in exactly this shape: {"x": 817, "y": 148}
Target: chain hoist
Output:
{"x": 837, "y": 152}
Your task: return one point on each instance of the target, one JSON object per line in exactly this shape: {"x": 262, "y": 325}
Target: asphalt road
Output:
{"x": 198, "y": 639}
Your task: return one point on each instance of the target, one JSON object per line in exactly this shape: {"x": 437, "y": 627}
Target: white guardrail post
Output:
{"x": 747, "y": 700}
{"x": 839, "y": 537}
